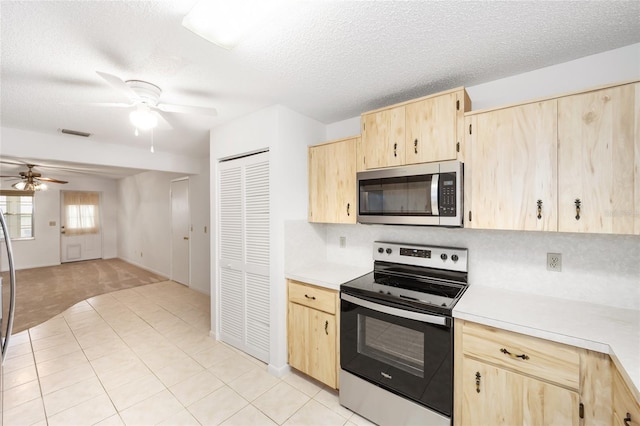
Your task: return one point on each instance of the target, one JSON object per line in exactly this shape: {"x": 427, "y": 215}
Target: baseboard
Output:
{"x": 278, "y": 371}
{"x": 146, "y": 268}
{"x": 5, "y": 268}
{"x": 213, "y": 334}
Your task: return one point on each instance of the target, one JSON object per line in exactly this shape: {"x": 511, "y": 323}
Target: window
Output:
{"x": 17, "y": 207}
{"x": 81, "y": 212}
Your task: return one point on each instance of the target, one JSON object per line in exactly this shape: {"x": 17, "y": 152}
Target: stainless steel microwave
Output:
{"x": 421, "y": 194}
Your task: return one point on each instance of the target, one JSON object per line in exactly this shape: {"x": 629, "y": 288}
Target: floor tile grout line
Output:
{"x": 35, "y": 365}
{"x": 190, "y": 355}
{"x": 167, "y": 388}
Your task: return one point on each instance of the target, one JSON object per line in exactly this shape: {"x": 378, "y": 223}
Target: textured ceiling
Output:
{"x": 329, "y": 60}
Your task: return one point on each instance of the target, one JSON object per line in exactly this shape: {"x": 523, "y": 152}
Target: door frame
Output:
{"x": 186, "y": 178}
{"x": 62, "y": 220}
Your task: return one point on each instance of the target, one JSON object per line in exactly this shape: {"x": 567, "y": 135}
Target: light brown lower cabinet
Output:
{"x": 626, "y": 409}
{"x": 506, "y": 378}
{"x": 313, "y": 330}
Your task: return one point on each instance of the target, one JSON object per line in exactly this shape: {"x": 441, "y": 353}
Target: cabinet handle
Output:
{"x": 395, "y": 149}
{"x": 348, "y": 208}
{"x": 310, "y": 297}
{"x": 627, "y": 420}
{"x": 415, "y": 146}
{"x": 506, "y": 352}
{"x": 478, "y": 376}
{"x": 539, "y": 203}
{"x": 578, "y": 203}
{"x": 326, "y": 328}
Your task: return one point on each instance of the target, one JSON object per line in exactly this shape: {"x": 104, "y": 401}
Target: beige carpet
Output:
{"x": 42, "y": 293}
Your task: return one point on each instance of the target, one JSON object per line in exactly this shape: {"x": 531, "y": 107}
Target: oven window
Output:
{"x": 391, "y": 344}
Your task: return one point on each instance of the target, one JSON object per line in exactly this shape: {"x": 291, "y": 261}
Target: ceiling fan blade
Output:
{"x": 119, "y": 84}
{"x": 10, "y": 176}
{"x": 45, "y": 179}
{"x": 183, "y": 109}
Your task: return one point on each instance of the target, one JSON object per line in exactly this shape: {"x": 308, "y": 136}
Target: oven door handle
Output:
{"x": 431, "y": 319}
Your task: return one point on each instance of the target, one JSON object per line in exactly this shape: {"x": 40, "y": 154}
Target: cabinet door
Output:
{"x": 625, "y": 406}
{"x": 297, "y": 336}
{"x": 491, "y": 396}
{"x": 383, "y": 138}
{"x": 598, "y": 162}
{"x": 322, "y": 347}
{"x": 332, "y": 182}
{"x": 546, "y": 404}
{"x": 431, "y": 129}
{"x": 511, "y": 168}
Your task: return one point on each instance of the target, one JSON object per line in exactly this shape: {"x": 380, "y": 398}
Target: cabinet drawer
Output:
{"x": 549, "y": 361}
{"x": 313, "y": 297}
{"x": 625, "y": 405}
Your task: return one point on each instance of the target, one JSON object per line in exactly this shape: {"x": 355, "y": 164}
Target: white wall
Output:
{"x": 144, "y": 223}
{"x": 200, "y": 244}
{"x": 144, "y": 220}
{"x": 603, "y": 269}
{"x": 44, "y": 248}
{"x": 286, "y": 134}
{"x": 614, "y": 66}
{"x": 27, "y": 144}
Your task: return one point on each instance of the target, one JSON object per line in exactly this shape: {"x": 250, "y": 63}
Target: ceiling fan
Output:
{"x": 32, "y": 180}
{"x": 145, "y": 97}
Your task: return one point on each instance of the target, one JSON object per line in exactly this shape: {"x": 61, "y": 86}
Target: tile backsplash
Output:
{"x": 603, "y": 269}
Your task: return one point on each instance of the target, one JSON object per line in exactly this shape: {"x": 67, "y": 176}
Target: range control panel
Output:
{"x": 450, "y": 258}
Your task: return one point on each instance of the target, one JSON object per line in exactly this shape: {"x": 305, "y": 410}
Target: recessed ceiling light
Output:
{"x": 226, "y": 22}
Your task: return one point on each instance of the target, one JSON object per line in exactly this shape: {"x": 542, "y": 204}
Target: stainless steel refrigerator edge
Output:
{"x": 4, "y": 338}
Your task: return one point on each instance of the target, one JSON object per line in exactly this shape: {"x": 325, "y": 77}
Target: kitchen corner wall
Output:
{"x": 603, "y": 269}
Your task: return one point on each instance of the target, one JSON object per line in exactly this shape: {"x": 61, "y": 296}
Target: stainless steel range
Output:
{"x": 396, "y": 334}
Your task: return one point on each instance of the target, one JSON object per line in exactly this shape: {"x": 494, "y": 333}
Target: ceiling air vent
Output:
{"x": 75, "y": 133}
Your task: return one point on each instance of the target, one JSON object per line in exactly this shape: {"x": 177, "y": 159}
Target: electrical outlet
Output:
{"x": 554, "y": 262}
{"x": 343, "y": 242}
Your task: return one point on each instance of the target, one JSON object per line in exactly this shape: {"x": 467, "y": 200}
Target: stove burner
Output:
{"x": 413, "y": 281}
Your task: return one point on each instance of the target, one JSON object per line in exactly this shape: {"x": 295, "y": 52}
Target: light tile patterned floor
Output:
{"x": 143, "y": 356}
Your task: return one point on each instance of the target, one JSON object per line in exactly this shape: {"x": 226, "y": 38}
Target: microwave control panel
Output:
{"x": 447, "y": 194}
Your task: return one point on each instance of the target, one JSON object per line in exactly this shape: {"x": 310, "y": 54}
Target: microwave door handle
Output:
{"x": 435, "y": 211}
{"x": 402, "y": 313}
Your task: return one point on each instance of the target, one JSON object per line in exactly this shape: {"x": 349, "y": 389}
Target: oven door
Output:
{"x": 409, "y": 353}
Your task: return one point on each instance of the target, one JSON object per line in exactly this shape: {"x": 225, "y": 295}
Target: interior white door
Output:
{"x": 243, "y": 260}
{"x": 74, "y": 246}
{"x": 180, "y": 231}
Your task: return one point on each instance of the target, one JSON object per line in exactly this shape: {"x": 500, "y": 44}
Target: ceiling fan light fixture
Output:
{"x": 143, "y": 118}
{"x": 19, "y": 185}
{"x": 29, "y": 186}
{"x": 224, "y": 22}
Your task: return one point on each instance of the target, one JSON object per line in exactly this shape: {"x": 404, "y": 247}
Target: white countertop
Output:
{"x": 591, "y": 326}
{"x": 327, "y": 274}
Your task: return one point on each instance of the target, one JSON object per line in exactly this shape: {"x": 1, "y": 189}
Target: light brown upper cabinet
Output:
{"x": 383, "y": 138}
{"x": 569, "y": 164}
{"x": 599, "y": 161}
{"x": 418, "y": 131}
{"x": 332, "y": 181}
{"x": 511, "y": 168}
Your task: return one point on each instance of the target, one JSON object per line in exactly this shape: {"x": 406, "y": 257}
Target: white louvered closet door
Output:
{"x": 244, "y": 254}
